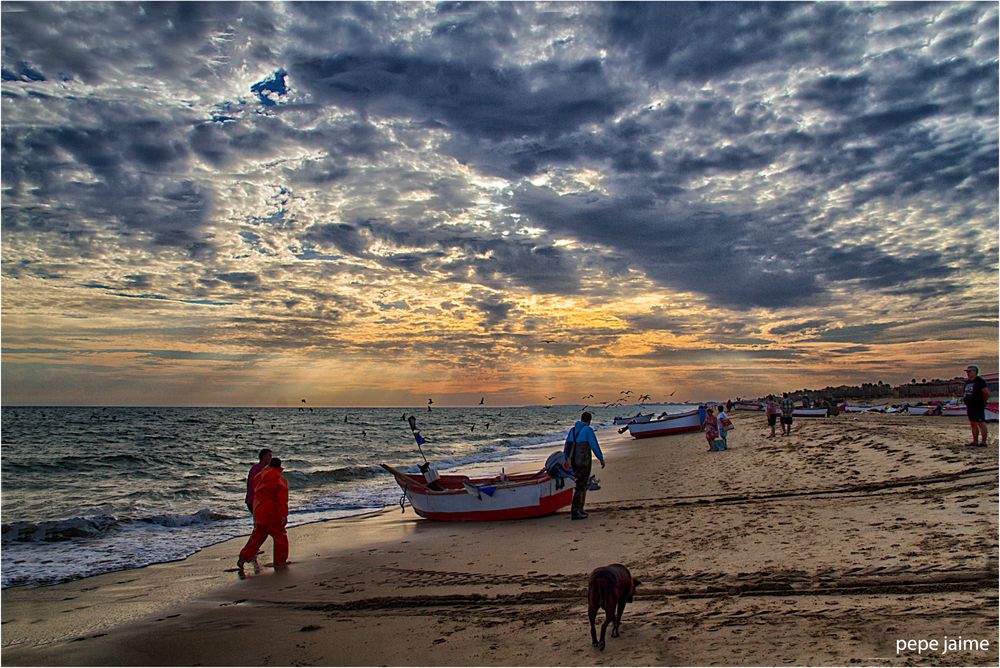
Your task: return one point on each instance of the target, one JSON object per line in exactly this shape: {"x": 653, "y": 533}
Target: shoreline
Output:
{"x": 807, "y": 549}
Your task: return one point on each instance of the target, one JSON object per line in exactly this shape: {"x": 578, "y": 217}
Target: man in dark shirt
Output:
{"x": 977, "y": 393}
{"x": 263, "y": 460}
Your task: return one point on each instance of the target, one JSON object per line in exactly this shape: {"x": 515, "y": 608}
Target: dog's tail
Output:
{"x": 600, "y": 593}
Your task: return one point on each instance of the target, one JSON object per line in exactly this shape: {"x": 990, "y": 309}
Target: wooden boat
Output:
{"x": 639, "y": 417}
{"x": 810, "y": 412}
{"x": 748, "y": 406}
{"x": 670, "y": 424}
{"x": 459, "y": 498}
{"x": 955, "y": 410}
{"x": 862, "y": 409}
{"x": 921, "y": 410}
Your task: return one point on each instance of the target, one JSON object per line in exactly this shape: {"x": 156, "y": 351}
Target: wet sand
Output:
{"x": 823, "y": 548}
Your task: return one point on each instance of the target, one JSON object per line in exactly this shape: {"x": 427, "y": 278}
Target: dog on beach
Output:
{"x": 611, "y": 587}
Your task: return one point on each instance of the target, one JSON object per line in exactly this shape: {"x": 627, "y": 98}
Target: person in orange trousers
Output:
{"x": 270, "y": 515}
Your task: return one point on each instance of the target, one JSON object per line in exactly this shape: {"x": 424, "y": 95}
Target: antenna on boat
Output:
{"x": 418, "y": 438}
{"x": 430, "y": 475}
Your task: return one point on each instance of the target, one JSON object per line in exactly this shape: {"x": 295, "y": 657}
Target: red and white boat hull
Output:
{"x": 672, "y": 424}
{"x": 463, "y": 499}
{"x": 646, "y": 417}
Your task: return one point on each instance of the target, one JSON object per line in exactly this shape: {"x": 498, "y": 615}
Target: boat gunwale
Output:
{"x": 411, "y": 483}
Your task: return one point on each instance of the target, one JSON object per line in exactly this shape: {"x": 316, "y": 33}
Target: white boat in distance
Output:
{"x": 862, "y": 409}
{"x": 670, "y": 424}
{"x": 809, "y": 412}
{"x": 748, "y": 406}
{"x": 638, "y": 417}
{"x": 921, "y": 410}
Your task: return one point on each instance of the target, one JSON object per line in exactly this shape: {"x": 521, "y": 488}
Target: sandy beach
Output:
{"x": 827, "y": 547}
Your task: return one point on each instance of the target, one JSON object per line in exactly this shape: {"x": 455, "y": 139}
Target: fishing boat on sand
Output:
{"x": 921, "y": 410}
{"x": 748, "y": 406}
{"x": 638, "y": 417}
{"x": 862, "y": 409}
{"x": 810, "y": 412}
{"x": 459, "y": 498}
{"x": 669, "y": 424}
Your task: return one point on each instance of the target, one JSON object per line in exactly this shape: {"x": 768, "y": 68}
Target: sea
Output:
{"x": 85, "y": 490}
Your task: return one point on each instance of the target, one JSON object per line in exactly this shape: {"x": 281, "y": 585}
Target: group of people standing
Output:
{"x": 785, "y": 409}
{"x": 717, "y": 428}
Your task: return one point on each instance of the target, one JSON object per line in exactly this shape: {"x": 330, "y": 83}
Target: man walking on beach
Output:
{"x": 787, "y": 410}
{"x": 977, "y": 393}
{"x": 270, "y": 515}
{"x": 772, "y": 415}
{"x": 263, "y": 459}
{"x": 580, "y": 442}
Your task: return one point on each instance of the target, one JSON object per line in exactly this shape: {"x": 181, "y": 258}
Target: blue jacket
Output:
{"x": 581, "y": 432}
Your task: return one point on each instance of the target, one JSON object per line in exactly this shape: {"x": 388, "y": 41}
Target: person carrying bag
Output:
{"x": 580, "y": 443}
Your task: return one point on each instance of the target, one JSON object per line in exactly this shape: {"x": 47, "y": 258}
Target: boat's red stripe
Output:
{"x": 549, "y": 505}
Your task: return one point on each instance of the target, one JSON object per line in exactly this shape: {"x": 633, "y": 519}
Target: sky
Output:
{"x": 373, "y": 204}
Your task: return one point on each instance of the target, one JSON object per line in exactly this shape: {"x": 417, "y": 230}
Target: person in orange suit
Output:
{"x": 270, "y": 515}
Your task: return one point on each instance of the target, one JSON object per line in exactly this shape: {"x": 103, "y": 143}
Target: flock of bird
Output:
{"x": 624, "y": 397}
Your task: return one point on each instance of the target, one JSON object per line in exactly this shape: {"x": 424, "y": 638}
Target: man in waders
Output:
{"x": 580, "y": 442}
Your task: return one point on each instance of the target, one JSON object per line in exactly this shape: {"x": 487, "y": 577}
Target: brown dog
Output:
{"x": 611, "y": 587}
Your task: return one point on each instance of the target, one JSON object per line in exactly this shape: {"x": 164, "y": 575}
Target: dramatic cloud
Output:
{"x": 481, "y": 191}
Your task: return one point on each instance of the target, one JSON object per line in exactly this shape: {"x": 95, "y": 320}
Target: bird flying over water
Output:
{"x": 550, "y": 398}
{"x": 482, "y": 400}
{"x": 589, "y": 396}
